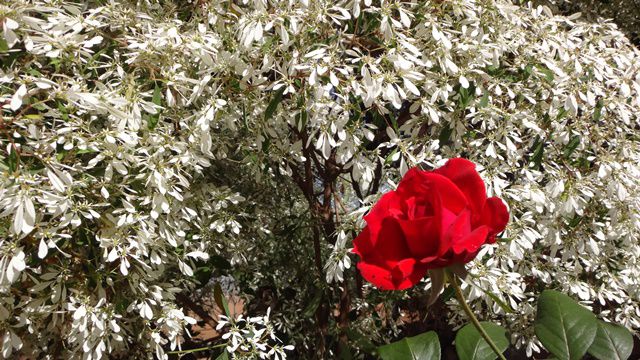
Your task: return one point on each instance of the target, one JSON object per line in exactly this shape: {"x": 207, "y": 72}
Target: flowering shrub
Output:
{"x": 148, "y": 144}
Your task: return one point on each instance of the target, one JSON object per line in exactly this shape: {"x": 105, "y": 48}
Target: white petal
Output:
{"x": 16, "y": 99}
{"x": 18, "y": 219}
{"x": 43, "y": 249}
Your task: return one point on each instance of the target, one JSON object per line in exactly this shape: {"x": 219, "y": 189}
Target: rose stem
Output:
{"x": 472, "y": 317}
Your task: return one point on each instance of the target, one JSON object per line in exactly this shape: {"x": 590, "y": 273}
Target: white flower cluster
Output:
{"x": 127, "y": 124}
{"x": 252, "y": 337}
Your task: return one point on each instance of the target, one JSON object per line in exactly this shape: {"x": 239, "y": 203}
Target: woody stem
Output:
{"x": 472, "y": 317}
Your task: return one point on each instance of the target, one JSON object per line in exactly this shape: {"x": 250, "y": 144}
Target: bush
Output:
{"x": 150, "y": 145}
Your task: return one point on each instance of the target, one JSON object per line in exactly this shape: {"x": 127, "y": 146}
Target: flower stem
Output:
{"x": 472, "y": 317}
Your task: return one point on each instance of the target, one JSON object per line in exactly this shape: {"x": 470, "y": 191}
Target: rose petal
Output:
{"x": 418, "y": 208}
{"x": 495, "y": 215}
{"x": 432, "y": 186}
{"x": 390, "y": 204}
{"x": 362, "y": 243}
{"x": 378, "y": 276}
{"x": 422, "y": 236}
{"x": 459, "y": 228}
{"x": 391, "y": 244}
{"x": 462, "y": 172}
{"x": 472, "y": 241}
{"x": 407, "y": 273}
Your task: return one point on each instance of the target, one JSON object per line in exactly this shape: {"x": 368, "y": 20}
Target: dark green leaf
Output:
{"x": 425, "y": 346}
{"x": 445, "y": 135}
{"x": 536, "y": 158}
{"x": 448, "y": 293}
{"x": 466, "y": 95}
{"x": 612, "y": 342}
{"x": 219, "y": 262}
{"x": 363, "y": 342}
{"x": 564, "y": 327}
{"x": 571, "y": 146}
{"x": 313, "y": 304}
{"x": 273, "y": 104}
{"x": 12, "y": 161}
{"x": 223, "y": 356}
{"x": 220, "y": 299}
{"x": 470, "y": 345}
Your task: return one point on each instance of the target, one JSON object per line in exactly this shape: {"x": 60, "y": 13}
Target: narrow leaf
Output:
{"x": 156, "y": 99}
{"x": 220, "y": 299}
{"x": 12, "y": 160}
{"x": 273, "y": 104}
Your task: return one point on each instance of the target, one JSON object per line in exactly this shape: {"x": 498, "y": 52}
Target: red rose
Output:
{"x": 433, "y": 220}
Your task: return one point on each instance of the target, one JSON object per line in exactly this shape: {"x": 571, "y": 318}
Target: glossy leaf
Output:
{"x": 425, "y": 346}
{"x": 564, "y": 327}
{"x": 470, "y": 345}
{"x": 612, "y": 342}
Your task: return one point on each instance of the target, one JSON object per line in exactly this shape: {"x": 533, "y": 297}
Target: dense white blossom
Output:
{"x": 141, "y": 141}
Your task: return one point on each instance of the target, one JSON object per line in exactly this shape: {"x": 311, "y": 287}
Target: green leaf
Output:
{"x": 3, "y": 45}
{"x": 548, "y": 74}
{"x": 273, "y": 104}
{"x": 363, "y": 342}
{"x": 571, "y": 146}
{"x": 563, "y": 326}
{"x": 313, "y": 304}
{"x": 597, "y": 113}
{"x": 220, "y": 299}
{"x": 484, "y": 100}
{"x": 536, "y": 158}
{"x": 223, "y": 356}
{"x": 470, "y": 345}
{"x": 466, "y": 95}
{"x": 12, "y": 160}
{"x": 156, "y": 99}
{"x": 425, "y": 346}
{"x": 445, "y": 135}
{"x": 63, "y": 110}
{"x": 612, "y": 342}
{"x": 448, "y": 293}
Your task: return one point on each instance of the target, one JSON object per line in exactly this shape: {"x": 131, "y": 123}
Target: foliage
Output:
{"x": 564, "y": 327}
{"x": 148, "y": 145}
